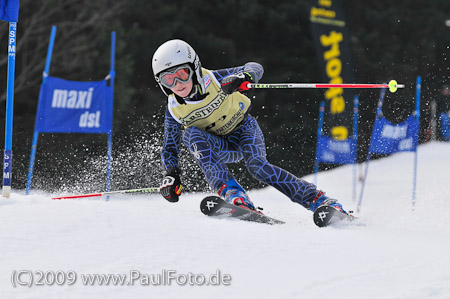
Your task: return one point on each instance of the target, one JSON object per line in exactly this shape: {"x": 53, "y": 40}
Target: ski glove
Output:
{"x": 237, "y": 82}
{"x": 171, "y": 185}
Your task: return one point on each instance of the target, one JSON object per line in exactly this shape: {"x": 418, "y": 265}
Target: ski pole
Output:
{"x": 130, "y": 191}
{"x": 393, "y": 85}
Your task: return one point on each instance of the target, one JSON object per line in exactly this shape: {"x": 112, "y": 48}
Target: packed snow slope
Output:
{"x": 390, "y": 252}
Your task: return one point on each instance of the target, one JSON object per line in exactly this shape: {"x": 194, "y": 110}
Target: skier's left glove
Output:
{"x": 171, "y": 185}
{"x": 237, "y": 82}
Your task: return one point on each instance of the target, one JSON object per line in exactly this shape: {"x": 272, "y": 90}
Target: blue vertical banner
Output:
{"x": 444, "y": 122}
{"x": 319, "y": 135}
{"x": 9, "y": 11}
{"x": 112, "y": 76}
{"x": 355, "y": 141}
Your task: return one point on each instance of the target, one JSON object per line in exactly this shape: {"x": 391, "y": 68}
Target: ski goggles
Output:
{"x": 183, "y": 73}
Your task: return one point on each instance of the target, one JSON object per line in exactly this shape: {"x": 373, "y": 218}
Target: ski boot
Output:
{"x": 322, "y": 199}
{"x": 233, "y": 193}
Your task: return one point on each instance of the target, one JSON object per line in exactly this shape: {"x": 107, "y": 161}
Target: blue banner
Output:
{"x": 336, "y": 151}
{"x": 9, "y": 10}
{"x": 7, "y": 161}
{"x": 388, "y": 138}
{"x": 445, "y": 126}
{"x": 74, "y": 107}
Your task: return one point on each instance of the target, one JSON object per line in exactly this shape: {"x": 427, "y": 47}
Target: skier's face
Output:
{"x": 182, "y": 89}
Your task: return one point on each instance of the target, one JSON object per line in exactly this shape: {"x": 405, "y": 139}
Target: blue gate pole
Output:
{"x": 319, "y": 135}
{"x": 112, "y": 75}
{"x": 417, "y": 119}
{"x": 355, "y": 141}
{"x": 36, "y": 133}
{"x": 369, "y": 155}
{"x": 7, "y": 155}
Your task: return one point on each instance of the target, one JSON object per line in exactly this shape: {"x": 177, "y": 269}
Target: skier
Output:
{"x": 218, "y": 128}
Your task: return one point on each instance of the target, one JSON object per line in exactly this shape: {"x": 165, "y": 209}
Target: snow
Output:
{"x": 392, "y": 251}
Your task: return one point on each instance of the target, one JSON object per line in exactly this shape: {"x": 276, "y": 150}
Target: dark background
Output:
{"x": 389, "y": 40}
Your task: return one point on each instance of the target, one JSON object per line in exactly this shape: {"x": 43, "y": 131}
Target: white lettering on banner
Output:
{"x": 72, "y": 99}
{"x": 328, "y": 156}
{"x": 90, "y": 120}
{"x": 11, "y": 50}
{"x": 12, "y": 41}
{"x": 394, "y": 132}
{"x": 406, "y": 144}
{"x": 5, "y": 168}
{"x": 339, "y": 147}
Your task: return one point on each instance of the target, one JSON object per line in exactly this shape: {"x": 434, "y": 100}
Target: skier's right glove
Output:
{"x": 171, "y": 185}
{"x": 237, "y": 82}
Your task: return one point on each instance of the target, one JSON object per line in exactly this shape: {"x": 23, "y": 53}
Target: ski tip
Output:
{"x": 216, "y": 207}
{"x": 326, "y": 215}
{"x": 209, "y": 204}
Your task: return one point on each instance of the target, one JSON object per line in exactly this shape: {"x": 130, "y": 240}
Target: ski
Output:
{"x": 215, "y": 206}
{"x": 130, "y": 191}
{"x": 326, "y": 215}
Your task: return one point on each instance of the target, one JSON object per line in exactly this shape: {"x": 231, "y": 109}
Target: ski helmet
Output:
{"x": 174, "y": 53}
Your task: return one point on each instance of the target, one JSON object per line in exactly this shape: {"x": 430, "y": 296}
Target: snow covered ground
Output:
{"x": 391, "y": 252}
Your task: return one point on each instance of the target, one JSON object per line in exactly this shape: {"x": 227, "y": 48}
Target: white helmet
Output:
{"x": 173, "y": 53}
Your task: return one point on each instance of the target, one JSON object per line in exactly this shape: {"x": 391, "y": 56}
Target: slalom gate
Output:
{"x": 388, "y": 138}
{"x": 331, "y": 151}
{"x": 74, "y": 107}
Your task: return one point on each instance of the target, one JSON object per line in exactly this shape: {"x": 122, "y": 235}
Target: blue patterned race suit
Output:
{"x": 212, "y": 152}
